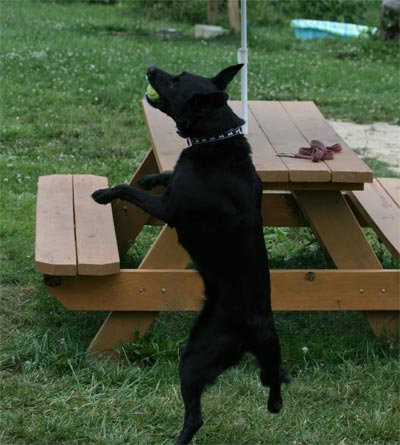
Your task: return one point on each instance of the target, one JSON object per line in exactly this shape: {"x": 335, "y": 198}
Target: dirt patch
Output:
{"x": 379, "y": 140}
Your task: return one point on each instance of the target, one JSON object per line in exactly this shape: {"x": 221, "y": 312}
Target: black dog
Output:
{"x": 213, "y": 199}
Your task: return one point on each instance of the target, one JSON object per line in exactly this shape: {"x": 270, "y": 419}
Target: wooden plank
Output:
{"x": 382, "y": 214}
{"x": 336, "y": 290}
{"x": 316, "y": 186}
{"x": 336, "y": 227}
{"x": 346, "y": 166}
{"x": 121, "y": 327}
{"x": 165, "y": 141}
{"x": 338, "y": 231}
{"x": 55, "y": 238}
{"x": 285, "y": 137}
{"x": 168, "y": 145}
{"x": 166, "y": 252}
{"x": 269, "y": 167}
{"x": 278, "y": 210}
{"x": 360, "y": 219}
{"x": 392, "y": 187}
{"x": 282, "y": 134}
{"x": 96, "y": 243}
{"x": 172, "y": 290}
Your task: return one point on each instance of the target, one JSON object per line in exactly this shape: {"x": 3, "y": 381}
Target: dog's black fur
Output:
{"x": 213, "y": 199}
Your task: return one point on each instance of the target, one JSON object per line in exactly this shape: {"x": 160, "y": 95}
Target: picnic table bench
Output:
{"x": 79, "y": 243}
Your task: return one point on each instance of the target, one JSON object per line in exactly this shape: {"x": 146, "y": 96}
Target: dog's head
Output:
{"x": 189, "y": 98}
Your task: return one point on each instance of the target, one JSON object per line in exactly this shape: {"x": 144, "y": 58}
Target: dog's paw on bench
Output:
{"x": 103, "y": 196}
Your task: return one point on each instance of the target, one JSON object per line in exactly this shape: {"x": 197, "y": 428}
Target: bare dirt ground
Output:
{"x": 379, "y": 140}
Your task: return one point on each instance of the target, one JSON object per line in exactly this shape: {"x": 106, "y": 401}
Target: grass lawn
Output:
{"x": 72, "y": 81}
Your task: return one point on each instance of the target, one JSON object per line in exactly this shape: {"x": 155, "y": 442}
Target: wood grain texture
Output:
{"x": 285, "y": 137}
{"x": 274, "y": 127}
{"x": 269, "y": 167}
{"x": 166, "y": 252}
{"x": 96, "y": 243}
{"x": 279, "y": 209}
{"x": 120, "y": 327}
{"x": 392, "y": 187}
{"x": 337, "y": 229}
{"x": 173, "y": 290}
{"x": 165, "y": 141}
{"x": 55, "y": 252}
{"x": 339, "y": 232}
{"x": 346, "y": 166}
{"x": 316, "y": 186}
{"x": 382, "y": 214}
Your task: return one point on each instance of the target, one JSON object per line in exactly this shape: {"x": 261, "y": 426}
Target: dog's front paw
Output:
{"x": 147, "y": 182}
{"x": 103, "y": 196}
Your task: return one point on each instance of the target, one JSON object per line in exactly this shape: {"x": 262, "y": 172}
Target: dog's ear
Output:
{"x": 222, "y": 79}
{"x": 204, "y": 103}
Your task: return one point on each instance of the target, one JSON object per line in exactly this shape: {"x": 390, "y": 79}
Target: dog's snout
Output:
{"x": 151, "y": 70}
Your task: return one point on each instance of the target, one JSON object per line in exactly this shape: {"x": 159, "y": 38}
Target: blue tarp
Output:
{"x": 314, "y": 29}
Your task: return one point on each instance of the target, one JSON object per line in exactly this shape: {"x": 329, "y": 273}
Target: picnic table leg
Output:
{"x": 121, "y": 327}
{"x": 339, "y": 232}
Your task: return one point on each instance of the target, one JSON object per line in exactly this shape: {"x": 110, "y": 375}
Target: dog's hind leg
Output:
{"x": 268, "y": 354}
{"x": 192, "y": 386}
{"x": 208, "y": 353}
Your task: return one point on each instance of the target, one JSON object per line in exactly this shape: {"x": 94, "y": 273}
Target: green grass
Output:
{"x": 72, "y": 81}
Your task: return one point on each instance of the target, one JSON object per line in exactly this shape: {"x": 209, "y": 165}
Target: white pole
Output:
{"x": 243, "y": 58}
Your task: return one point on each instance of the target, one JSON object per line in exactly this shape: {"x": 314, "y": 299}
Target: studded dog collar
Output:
{"x": 220, "y": 137}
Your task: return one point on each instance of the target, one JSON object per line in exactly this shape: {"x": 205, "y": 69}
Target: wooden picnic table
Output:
{"x": 294, "y": 189}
